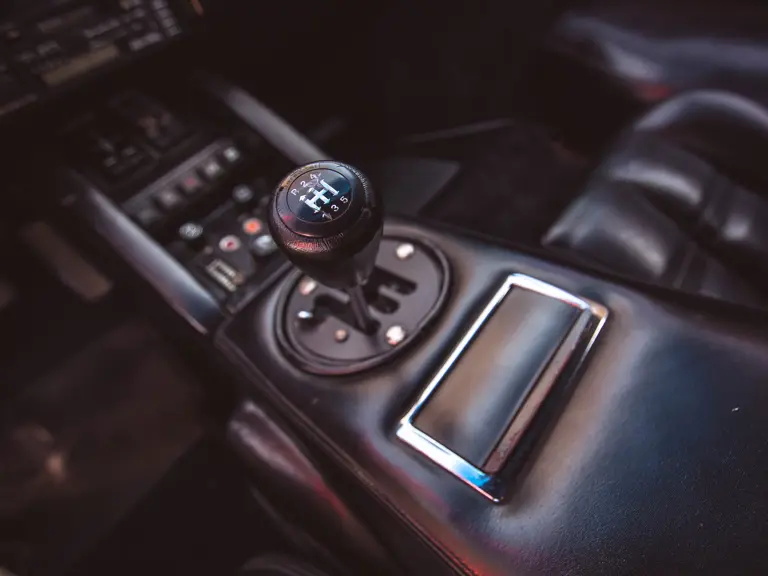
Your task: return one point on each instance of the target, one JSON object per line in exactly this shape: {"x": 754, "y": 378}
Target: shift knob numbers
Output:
{"x": 327, "y": 219}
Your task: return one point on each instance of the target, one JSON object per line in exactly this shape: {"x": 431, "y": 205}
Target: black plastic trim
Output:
{"x": 284, "y": 137}
{"x": 157, "y": 267}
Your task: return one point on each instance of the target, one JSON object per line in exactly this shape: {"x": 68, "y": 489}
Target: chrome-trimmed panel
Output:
{"x": 563, "y": 366}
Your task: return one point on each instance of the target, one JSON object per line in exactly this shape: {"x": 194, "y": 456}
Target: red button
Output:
{"x": 229, "y": 243}
{"x": 191, "y": 184}
{"x": 253, "y": 226}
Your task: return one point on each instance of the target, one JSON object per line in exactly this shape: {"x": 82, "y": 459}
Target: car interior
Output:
{"x": 339, "y": 288}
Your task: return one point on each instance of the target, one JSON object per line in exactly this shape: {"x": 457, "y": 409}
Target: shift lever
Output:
{"x": 327, "y": 219}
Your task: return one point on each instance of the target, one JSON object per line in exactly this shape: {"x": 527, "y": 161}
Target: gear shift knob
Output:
{"x": 327, "y": 219}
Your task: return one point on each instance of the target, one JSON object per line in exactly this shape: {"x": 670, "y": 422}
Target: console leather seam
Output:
{"x": 296, "y": 416}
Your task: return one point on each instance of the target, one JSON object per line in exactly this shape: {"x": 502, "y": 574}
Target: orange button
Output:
{"x": 253, "y": 226}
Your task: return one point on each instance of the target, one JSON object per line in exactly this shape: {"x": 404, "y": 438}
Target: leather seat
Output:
{"x": 682, "y": 201}
{"x": 659, "y": 48}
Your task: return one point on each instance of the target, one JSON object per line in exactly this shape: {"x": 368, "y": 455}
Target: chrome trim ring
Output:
{"x": 562, "y": 367}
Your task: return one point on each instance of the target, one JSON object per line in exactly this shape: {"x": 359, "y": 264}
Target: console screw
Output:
{"x": 395, "y": 335}
{"x": 307, "y": 286}
{"x": 405, "y": 251}
{"x": 341, "y": 335}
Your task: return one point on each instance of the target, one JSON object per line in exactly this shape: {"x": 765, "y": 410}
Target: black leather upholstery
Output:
{"x": 655, "y": 464}
{"x": 657, "y": 48}
{"x": 682, "y": 201}
{"x": 302, "y": 501}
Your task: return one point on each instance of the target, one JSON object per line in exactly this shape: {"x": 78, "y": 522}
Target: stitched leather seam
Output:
{"x": 681, "y": 280}
{"x": 669, "y": 276}
{"x": 298, "y": 418}
{"x": 717, "y": 203}
{"x": 688, "y": 279}
{"x": 720, "y": 204}
{"x": 673, "y": 208}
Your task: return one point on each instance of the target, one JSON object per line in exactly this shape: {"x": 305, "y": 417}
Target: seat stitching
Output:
{"x": 720, "y": 203}
{"x": 650, "y": 148}
{"x": 715, "y": 201}
{"x": 669, "y": 276}
{"x": 684, "y": 270}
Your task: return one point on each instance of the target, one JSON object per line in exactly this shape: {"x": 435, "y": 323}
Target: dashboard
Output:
{"x": 46, "y": 45}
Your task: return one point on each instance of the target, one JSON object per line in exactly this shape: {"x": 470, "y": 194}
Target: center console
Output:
{"x": 207, "y": 208}
{"x": 452, "y": 405}
{"x": 547, "y": 421}
{"x": 178, "y": 185}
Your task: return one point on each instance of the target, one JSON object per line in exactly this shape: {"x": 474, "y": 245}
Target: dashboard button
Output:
{"x": 253, "y": 226}
{"x": 190, "y": 231}
{"x": 191, "y": 184}
{"x": 230, "y": 243}
{"x": 138, "y": 43}
{"x": 212, "y": 169}
{"x": 168, "y": 199}
{"x": 148, "y": 216}
{"x": 231, "y": 154}
{"x": 242, "y": 194}
{"x": 263, "y": 246}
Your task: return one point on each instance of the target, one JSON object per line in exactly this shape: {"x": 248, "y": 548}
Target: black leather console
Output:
{"x": 566, "y": 442}
{"x": 653, "y": 460}
{"x": 602, "y": 431}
